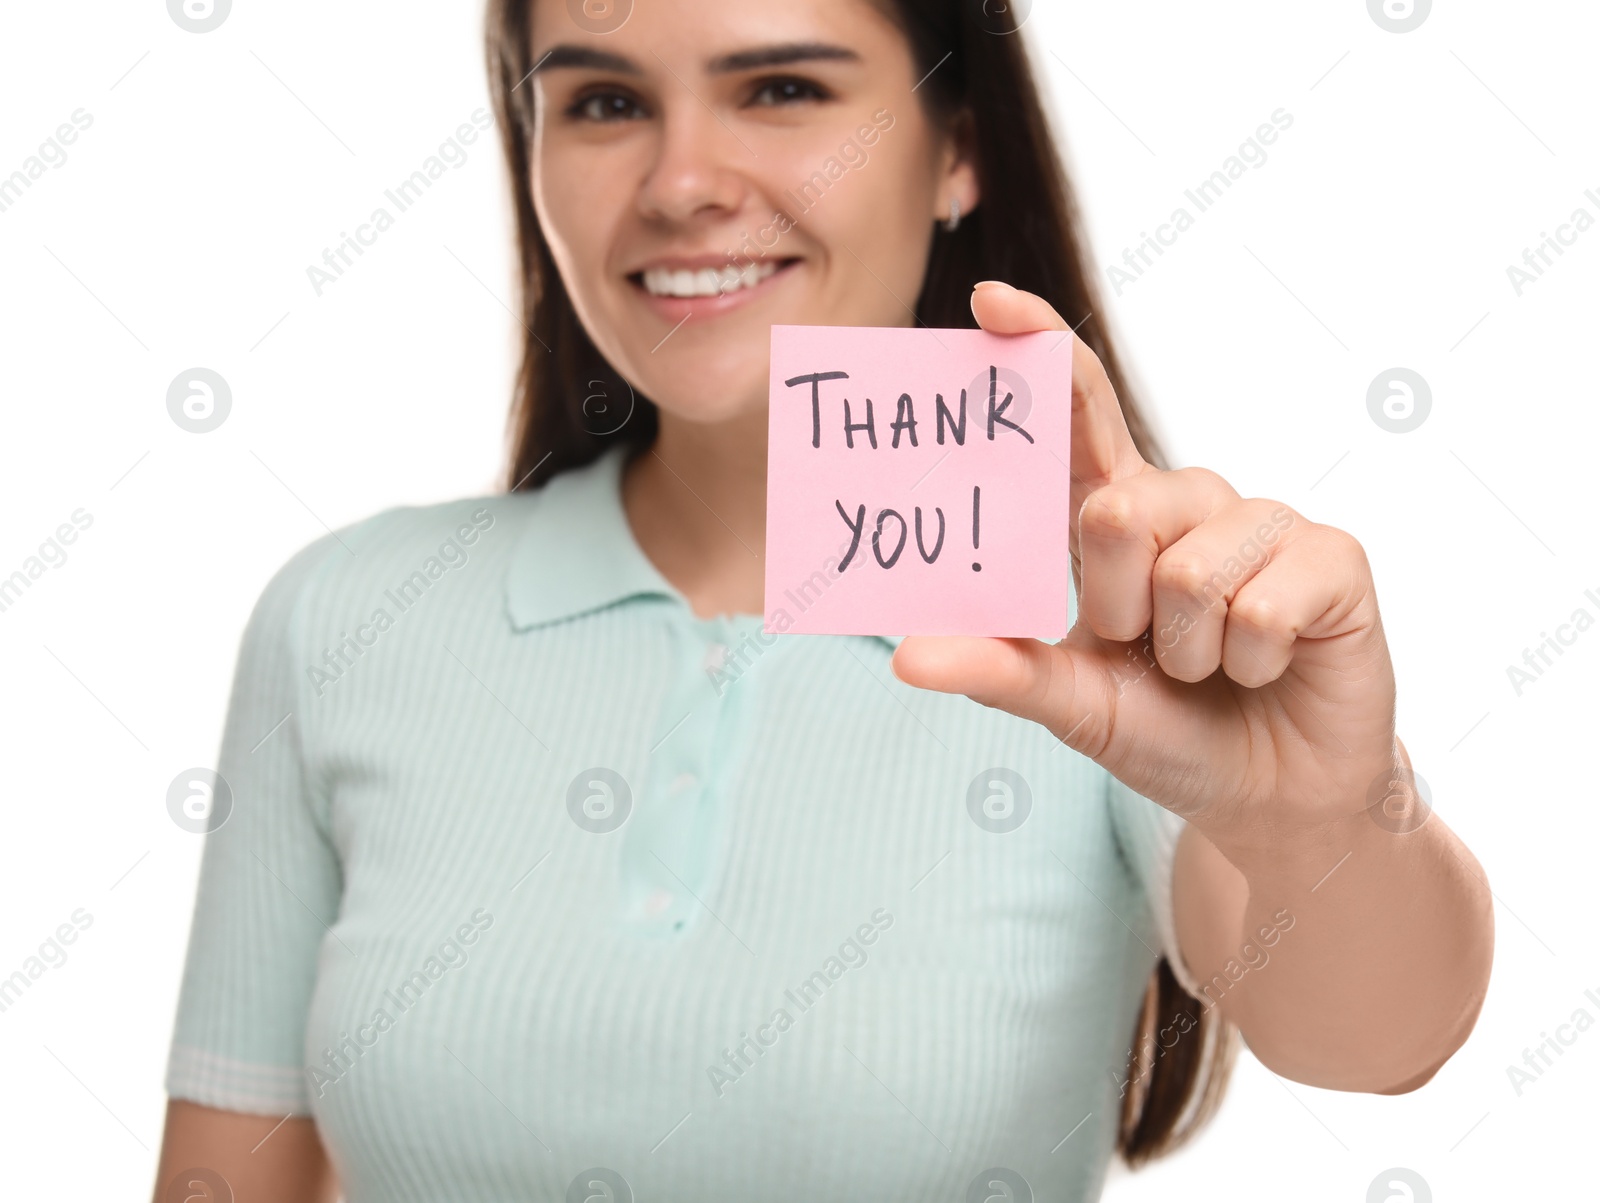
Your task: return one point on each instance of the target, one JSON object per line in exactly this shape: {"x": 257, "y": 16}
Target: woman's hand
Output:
{"x": 1227, "y": 661}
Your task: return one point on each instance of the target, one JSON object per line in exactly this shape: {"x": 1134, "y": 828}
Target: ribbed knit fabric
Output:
{"x": 534, "y": 883}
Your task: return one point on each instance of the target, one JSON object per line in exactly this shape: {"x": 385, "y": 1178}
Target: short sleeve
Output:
{"x": 1147, "y": 835}
{"x": 270, "y": 880}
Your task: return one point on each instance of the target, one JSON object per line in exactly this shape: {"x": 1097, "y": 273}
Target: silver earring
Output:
{"x": 955, "y": 215}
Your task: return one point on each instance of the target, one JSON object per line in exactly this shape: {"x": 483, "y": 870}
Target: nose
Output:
{"x": 699, "y": 162}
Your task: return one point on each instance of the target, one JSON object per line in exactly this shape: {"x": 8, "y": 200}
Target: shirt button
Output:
{"x": 683, "y": 781}
{"x": 658, "y": 901}
{"x": 716, "y": 657}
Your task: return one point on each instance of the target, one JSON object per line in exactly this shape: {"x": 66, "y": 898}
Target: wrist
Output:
{"x": 1279, "y": 842}
{"x": 1288, "y": 858}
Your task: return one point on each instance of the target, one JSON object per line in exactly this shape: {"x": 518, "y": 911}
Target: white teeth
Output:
{"x": 708, "y": 282}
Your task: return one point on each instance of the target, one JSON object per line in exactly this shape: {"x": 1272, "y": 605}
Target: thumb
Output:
{"x": 1068, "y": 691}
{"x": 1001, "y": 309}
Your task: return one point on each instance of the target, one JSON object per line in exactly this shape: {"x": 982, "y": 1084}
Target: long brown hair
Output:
{"x": 570, "y": 404}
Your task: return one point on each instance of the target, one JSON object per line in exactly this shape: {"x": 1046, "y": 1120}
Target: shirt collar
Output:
{"x": 576, "y": 552}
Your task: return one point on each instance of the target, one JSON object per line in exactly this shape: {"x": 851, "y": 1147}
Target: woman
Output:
{"x": 526, "y": 893}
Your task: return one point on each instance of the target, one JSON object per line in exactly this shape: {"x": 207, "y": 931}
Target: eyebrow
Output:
{"x": 783, "y": 54}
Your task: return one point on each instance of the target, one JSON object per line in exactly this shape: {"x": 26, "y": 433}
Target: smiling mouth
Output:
{"x": 707, "y": 281}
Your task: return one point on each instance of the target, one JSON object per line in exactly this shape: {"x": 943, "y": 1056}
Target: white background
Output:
{"x": 1378, "y": 234}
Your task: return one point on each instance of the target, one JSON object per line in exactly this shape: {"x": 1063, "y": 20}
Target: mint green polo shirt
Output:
{"x": 534, "y": 885}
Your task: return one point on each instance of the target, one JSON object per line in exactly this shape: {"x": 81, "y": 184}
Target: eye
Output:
{"x": 788, "y": 90}
{"x": 602, "y": 107}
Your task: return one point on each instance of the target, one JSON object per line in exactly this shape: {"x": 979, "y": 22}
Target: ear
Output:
{"x": 958, "y": 172}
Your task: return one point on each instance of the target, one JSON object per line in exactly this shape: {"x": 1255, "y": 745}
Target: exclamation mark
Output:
{"x": 976, "y": 567}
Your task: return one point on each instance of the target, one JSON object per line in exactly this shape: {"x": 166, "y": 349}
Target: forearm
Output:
{"x": 1361, "y": 956}
{"x": 257, "y": 1157}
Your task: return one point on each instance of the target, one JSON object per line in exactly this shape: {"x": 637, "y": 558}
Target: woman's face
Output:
{"x": 711, "y": 167}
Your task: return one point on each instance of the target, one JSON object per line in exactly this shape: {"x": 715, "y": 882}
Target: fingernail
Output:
{"x": 991, "y": 284}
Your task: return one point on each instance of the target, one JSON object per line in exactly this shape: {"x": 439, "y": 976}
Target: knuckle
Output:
{"x": 1110, "y": 513}
{"x": 1345, "y": 546}
{"x": 1083, "y": 352}
{"x": 1259, "y": 613}
{"x": 1183, "y": 572}
{"x": 1214, "y": 483}
{"x": 1269, "y": 511}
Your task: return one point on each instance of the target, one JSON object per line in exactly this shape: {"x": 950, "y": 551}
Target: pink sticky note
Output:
{"x": 855, "y": 516}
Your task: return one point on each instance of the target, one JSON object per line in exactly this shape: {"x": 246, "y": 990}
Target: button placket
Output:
{"x": 670, "y": 857}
